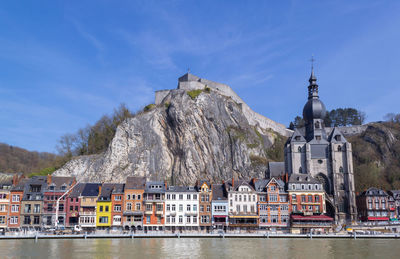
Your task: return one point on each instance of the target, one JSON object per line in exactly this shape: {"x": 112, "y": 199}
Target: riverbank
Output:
{"x": 202, "y": 235}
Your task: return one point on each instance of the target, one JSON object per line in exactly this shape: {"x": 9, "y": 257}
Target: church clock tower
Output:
{"x": 324, "y": 153}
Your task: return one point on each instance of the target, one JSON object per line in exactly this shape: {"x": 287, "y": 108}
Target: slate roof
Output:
{"x": 181, "y": 189}
{"x": 148, "y": 188}
{"x": 238, "y": 183}
{"x": 302, "y": 178}
{"x": 395, "y": 194}
{"x": 374, "y": 192}
{"x": 219, "y": 192}
{"x": 77, "y": 190}
{"x": 261, "y": 184}
{"x": 276, "y": 169}
{"x": 58, "y": 181}
{"x": 91, "y": 190}
{"x": 6, "y": 180}
{"x": 135, "y": 183}
{"x": 110, "y": 188}
{"x": 20, "y": 185}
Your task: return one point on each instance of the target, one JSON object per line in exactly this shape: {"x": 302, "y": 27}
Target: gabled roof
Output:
{"x": 59, "y": 181}
{"x": 109, "y": 188}
{"x": 135, "y": 183}
{"x": 219, "y": 192}
{"x": 336, "y": 132}
{"x": 297, "y": 136}
{"x": 238, "y": 183}
{"x": 260, "y": 185}
{"x": 20, "y": 186}
{"x": 201, "y": 182}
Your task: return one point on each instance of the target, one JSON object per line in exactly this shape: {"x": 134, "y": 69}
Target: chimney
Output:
{"x": 49, "y": 179}
{"x": 99, "y": 189}
{"x": 15, "y": 180}
{"x": 166, "y": 184}
{"x": 233, "y": 182}
{"x": 287, "y": 177}
{"x": 253, "y": 181}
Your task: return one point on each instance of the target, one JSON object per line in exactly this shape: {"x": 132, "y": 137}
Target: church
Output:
{"x": 325, "y": 154}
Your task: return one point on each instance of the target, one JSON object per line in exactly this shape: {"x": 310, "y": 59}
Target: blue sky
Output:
{"x": 63, "y": 64}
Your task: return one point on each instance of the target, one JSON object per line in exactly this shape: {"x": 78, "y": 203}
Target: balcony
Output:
{"x": 160, "y": 212}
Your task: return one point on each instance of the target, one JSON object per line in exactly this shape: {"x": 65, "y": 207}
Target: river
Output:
{"x": 200, "y": 248}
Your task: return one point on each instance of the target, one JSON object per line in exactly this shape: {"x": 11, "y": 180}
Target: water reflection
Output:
{"x": 200, "y": 248}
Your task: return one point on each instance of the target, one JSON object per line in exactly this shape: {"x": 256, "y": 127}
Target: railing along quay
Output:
{"x": 201, "y": 235}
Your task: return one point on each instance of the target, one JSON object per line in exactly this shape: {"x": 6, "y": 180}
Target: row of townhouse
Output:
{"x": 279, "y": 203}
{"x": 376, "y": 205}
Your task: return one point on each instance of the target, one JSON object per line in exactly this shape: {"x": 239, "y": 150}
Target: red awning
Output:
{"x": 378, "y": 218}
{"x": 220, "y": 216}
{"x": 312, "y": 218}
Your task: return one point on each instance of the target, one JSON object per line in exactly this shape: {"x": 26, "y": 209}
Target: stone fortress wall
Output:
{"x": 192, "y": 82}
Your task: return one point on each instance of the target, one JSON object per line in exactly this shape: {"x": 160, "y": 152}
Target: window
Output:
{"x": 168, "y": 219}
{"x": 139, "y": 197}
{"x": 188, "y": 207}
{"x": 180, "y": 207}
{"x": 128, "y": 197}
{"x": 194, "y": 208}
{"x": 205, "y": 219}
{"x": 27, "y": 220}
{"x": 300, "y": 170}
{"x": 237, "y": 208}
{"x": 201, "y": 208}
{"x": 340, "y": 169}
{"x": 240, "y": 197}
{"x": 318, "y": 137}
{"x": 208, "y": 208}
{"x": 299, "y": 149}
{"x": 148, "y": 219}
{"x": 168, "y": 208}
{"x": 310, "y": 198}
{"x": 14, "y": 220}
{"x": 181, "y": 196}
{"x": 316, "y": 197}
{"x": 117, "y": 208}
{"x": 294, "y": 198}
{"x": 180, "y": 219}
{"x": 129, "y": 206}
{"x": 159, "y": 207}
{"x": 15, "y": 198}
{"x": 172, "y": 219}
{"x": 273, "y": 188}
{"x": 36, "y": 208}
{"x": 103, "y": 220}
{"x": 244, "y": 197}
{"x": 133, "y": 196}
{"x": 149, "y": 207}
{"x": 339, "y": 148}
{"x": 194, "y": 196}
{"x": 317, "y": 208}
{"x": 187, "y": 219}
{"x": 302, "y": 187}
{"x": 117, "y": 197}
{"x": 101, "y": 209}
{"x": 236, "y": 197}
{"x": 138, "y": 206}
{"x": 14, "y": 208}
{"x": 320, "y": 161}
{"x": 61, "y": 207}
{"x": 254, "y": 198}
{"x": 117, "y": 219}
{"x": 173, "y": 196}
{"x": 283, "y": 198}
{"x": 188, "y": 196}
{"x": 273, "y": 198}
{"x": 36, "y": 220}
{"x": 194, "y": 219}
{"x": 252, "y": 208}
{"x": 173, "y": 207}
{"x": 303, "y": 198}
{"x": 27, "y": 208}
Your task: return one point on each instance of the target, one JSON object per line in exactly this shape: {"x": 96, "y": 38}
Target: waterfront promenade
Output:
{"x": 37, "y": 236}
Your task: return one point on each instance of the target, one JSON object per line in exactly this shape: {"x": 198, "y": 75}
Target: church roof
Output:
{"x": 333, "y": 137}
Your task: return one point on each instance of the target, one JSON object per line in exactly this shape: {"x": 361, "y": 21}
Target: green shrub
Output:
{"x": 194, "y": 93}
{"x": 149, "y": 107}
{"x": 43, "y": 172}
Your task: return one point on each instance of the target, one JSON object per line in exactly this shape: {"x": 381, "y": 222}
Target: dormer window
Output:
{"x": 293, "y": 187}
{"x": 318, "y": 137}
{"x": 317, "y": 125}
{"x": 51, "y": 188}
{"x": 302, "y": 187}
{"x": 299, "y": 149}
{"x": 297, "y": 138}
{"x": 63, "y": 187}
{"x": 339, "y": 148}
{"x": 338, "y": 138}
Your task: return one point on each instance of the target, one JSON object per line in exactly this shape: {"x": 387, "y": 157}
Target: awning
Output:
{"x": 244, "y": 216}
{"x": 378, "y": 218}
{"x": 312, "y": 218}
{"x": 220, "y": 216}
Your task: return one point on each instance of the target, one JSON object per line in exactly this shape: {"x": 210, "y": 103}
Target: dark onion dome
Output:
{"x": 314, "y": 109}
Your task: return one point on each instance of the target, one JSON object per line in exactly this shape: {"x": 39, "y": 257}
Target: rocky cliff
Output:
{"x": 189, "y": 135}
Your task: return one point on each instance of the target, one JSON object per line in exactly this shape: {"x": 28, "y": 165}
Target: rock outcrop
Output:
{"x": 186, "y": 136}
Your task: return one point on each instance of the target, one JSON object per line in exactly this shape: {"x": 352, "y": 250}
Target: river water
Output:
{"x": 200, "y": 248}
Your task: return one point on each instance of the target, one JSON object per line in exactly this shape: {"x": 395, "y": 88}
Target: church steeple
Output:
{"x": 312, "y": 87}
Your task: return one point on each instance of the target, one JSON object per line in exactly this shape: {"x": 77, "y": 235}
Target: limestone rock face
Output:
{"x": 182, "y": 140}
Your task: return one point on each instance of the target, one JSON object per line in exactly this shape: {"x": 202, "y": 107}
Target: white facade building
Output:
{"x": 181, "y": 208}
